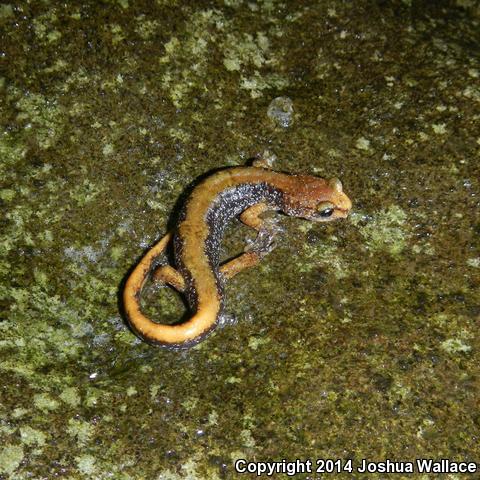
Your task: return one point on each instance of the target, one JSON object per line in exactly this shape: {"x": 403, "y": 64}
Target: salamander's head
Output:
{"x": 336, "y": 205}
{"x": 318, "y": 200}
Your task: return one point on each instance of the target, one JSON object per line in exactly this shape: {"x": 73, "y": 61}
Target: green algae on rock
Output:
{"x": 357, "y": 342}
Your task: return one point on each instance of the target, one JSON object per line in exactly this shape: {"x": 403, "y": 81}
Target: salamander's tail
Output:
{"x": 133, "y": 290}
{"x": 177, "y": 336}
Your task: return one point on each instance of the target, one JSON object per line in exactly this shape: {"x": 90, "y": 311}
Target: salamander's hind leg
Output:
{"x": 170, "y": 276}
{"x": 243, "y": 261}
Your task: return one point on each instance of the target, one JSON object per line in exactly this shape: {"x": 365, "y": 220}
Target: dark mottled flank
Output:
{"x": 230, "y": 204}
{"x": 356, "y": 339}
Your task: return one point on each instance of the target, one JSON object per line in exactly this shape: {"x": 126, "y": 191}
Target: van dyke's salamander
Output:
{"x": 244, "y": 191}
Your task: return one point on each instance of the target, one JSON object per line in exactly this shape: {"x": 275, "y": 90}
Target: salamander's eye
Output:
{"x": 325, "y": 209}
{"x": 326, "y": 213}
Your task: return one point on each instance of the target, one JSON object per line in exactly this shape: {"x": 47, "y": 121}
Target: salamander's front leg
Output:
{"x": 170, "y": 276}
{"x": 251, "y": 216}
{"x": 267, "y": 230}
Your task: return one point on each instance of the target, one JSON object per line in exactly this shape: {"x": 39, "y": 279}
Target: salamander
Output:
{"x": 236, "y": 191}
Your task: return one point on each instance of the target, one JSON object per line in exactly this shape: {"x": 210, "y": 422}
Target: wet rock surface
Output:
{"x": 357, "y": 339}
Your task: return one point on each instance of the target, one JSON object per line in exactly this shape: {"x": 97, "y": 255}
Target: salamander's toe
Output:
{"x": 265, "y": 241}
